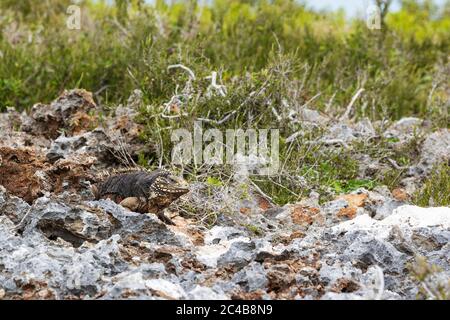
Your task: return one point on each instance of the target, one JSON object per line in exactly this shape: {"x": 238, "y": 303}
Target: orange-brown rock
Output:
{"x": 17, "y": 172}
{"x": 400, "y": 194}
{"x": 304, "y": 215}
{"x": 245, "y": 210}
{"x": 355, "y": 200}
{"x": 263, "y": 203}
{"x": 347, "y": 212}
{"x": 28, "y": 175}
{"x": 68, "y": 112}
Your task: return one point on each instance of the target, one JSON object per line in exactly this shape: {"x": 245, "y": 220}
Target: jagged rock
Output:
{"x": 342, "y": 132}
{"x": 30, "y": 265}
{"x": 405, "y": 129}
{"x": 11, "y": 206}
{"x": 63, "y": 245}
{"x": 435, "y": 150}
{"x": 219, "y": 234}
{"x": 252, "y": 277}
{"x": 165, "y": 289}
{"x": 205, "y": 293}
{"x": 73, "y": 224}
{"x": 95, "y": 143}
{"x": 12, "y": 136}
{"x": 331, "y": 275}
{"x": 67, "y": 112}
{"x": 239, "y": 254}
{"x": 391, "y": 242}
{"x": 28, "y": 175}
{"x": 140, "y": 227}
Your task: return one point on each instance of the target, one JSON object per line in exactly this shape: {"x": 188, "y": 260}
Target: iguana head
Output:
{"x": 168, "y": 187}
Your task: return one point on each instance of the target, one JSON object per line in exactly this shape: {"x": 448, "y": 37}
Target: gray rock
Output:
{"x": 143, "y": 227}
{"x": 435, "y": 150}
{"x": 11, "y": 206}
{"x": 205, "y": 293}
{"x": 94, "y": 143}
{"x": 404, "y": 129}
{"x": 252, "y": 277}
{"x": 238, "y": 255}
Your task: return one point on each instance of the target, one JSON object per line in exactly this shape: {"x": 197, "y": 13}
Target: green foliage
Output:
{"x": 436, "y": 189}
{"x": 254, "y": 229}
{"x": 130, "y": 45}
{"x": 353, "y": 184}
{"x": 214, "y": 182}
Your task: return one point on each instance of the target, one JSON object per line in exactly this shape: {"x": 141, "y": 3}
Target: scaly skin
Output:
{"x": 142, "y": 191}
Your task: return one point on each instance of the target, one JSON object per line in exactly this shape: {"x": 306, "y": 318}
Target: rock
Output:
{"x": 12, "y": 136}
{"x": 139, "y": 227}
{"x": 393, "y": 241}
{"x": 435, "y": 150}
{"x": 66, "y": 112}
{"x": 205, "y": 293}
{"x": 239, "y": 254}
{"x": 17, "y": 172}
{"x": 404, "y": 129}
{"x": 130, "y": 285}
{"x": 341, "y": 296}
{"x": 27, "y": 174}
{"x": 364, "y": 129}
{"x": 73, "y": 224}
{"x": 252, "y": 277}
{"x": 95, "y": 143}
{"x": 311, "y": 116}
{"x": 400, "y": 194}
{"x": 11, "y": 206}
{"x": 331, "y": 274}
{"x": 58, "y": 243}
{"x": 32, "y": 265}
{"x": 304, "y": 215}
{"x": 341, "y": 132}
{"x": 219, "y": 234}
{"x": 165, "y": 289}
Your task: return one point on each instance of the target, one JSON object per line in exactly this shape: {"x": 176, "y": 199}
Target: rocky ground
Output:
{"x": 58, "y": 243}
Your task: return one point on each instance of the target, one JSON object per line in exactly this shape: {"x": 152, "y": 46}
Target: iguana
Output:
{"x": 142, "y": 191}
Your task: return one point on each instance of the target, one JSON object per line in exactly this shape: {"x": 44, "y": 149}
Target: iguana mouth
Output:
{"x": 174, "y": 190}
{"x": 169, "y": 184}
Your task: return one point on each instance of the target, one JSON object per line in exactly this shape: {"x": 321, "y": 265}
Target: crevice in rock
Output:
{"x": 55, "y": 229}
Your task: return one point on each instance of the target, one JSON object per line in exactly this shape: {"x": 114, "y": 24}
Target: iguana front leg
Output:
{"x": 164, "y": 218}
{"x": 135, "y": 204}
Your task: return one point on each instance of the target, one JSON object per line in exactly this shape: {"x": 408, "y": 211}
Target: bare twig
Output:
{"x": 189, "y": 71}
{"x": 218, "y": 122}
{"x": 260, "y": 191}
{"x": 395, "y": 165}
{"x": 350, "y": 105}
{"x": 305, "y": 105}
{"x": 20, "y": 225}
{"x": 221, "y": 89}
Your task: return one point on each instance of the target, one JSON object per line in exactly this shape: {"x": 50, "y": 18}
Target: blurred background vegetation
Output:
{"x": 129, "y": 44}
{"x": 268, "y": 54}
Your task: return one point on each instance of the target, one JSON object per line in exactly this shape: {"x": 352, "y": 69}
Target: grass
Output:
{"x": 436, "y": 188}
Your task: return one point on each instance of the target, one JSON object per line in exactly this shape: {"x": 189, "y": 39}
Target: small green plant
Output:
{"x": 214, "y": 182}
{"x": 436, "y": 188}
{"x": 254, "y": 229}
{"x": 391, "y": 177}
{"x": 352, "y": 185}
